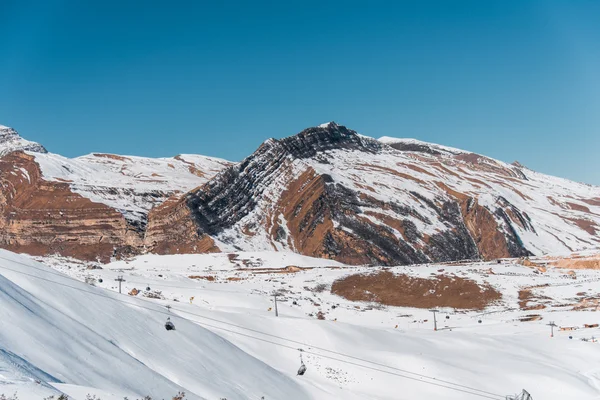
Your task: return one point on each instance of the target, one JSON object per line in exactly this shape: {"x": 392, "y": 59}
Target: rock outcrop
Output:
{"x": 43, "y": 218}
{"x": 11, "y": 141}
{"x": 329, "y": 192}
{"x": 93, "y": 207}
{"x": 325, "y": 192}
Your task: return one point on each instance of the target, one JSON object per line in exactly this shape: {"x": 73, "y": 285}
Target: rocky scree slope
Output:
{"x": 330, "y": 192}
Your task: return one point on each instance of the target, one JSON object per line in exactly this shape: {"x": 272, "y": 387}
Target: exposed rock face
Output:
{"x": 40, "y": 218}
{"x": 132, "y": 185}
{"x": 90, "y": 207}
{"x": 328, "y": 192}
{"x": 325, "y": 192}
{"x": 11, "y": 141}
{"x": 172, "y": 231}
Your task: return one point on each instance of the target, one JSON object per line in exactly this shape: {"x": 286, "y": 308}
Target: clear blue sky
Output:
{"x": 515, "y": 80}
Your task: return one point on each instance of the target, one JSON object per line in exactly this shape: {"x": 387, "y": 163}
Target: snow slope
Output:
{"x": 387, "y": 345}
{"x": 133, "y": 185}
{"x": 55, "y": 330}
{"x": 415, "y": 142}
{"x": 557, "y": 208}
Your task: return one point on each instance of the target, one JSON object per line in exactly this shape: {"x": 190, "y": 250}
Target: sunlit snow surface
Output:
{"x": 97, "y": 345}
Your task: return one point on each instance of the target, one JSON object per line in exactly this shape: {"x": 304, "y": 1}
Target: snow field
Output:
{"x": 358, "y": 352}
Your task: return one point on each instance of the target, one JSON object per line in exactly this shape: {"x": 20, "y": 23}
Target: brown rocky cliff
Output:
{"x": 40, "y": 218}
{"x": 171, "y": 230}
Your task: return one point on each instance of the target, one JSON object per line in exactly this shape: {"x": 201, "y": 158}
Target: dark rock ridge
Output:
{"x": 11, "y": 141}
{"x": 329, "y": 221}
{"x": 233, "y": 193}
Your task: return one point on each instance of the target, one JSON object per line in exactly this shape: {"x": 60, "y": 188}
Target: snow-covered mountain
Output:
{"x": 325, "y": 192}
{"x": 11, "y": 141}
{"x": 329, "y": 192}
{"x": 132, "y": 185}
{"x": 59, "y": 334}
{"x": 90, "y": 207}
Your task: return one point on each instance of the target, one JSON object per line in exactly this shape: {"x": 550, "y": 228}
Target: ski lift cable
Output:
{"x": 186, "y": 287}
{"x": 240, "y": 327}
{"x": 334, "y": 352}
{"x": 294, "y": 341}
{"x": 49, "y": 270}
{"x": 418, "y": 378}
{"x": 474, "y": 392}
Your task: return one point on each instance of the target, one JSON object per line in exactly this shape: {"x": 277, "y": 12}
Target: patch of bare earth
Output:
{"x": 592, "y": 202}
{"x": 592, "y": 262}
{"x": 531, "y": 318}
{"x": 111, "y": 156}
{"x": 209, "y": 278}
{"x": 586, "y": 225}
{"x": 528, "y": 301}
{"x": 406, "y": 291}
{"x": 290, "y": 269}
{"x": 587, "y": 303}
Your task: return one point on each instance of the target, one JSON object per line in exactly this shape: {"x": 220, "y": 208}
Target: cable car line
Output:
{"x": 297, "y": 342}
{"x": 51, "y": 271}
{"x": 441, "y": 383}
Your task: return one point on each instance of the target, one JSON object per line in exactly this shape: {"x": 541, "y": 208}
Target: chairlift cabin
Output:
{"x": 302, "y": 369}
{"x": 169, "y": 325}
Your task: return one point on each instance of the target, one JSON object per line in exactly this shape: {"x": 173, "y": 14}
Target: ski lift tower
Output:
{"x": 524, "y": 395}
{"x": 551, "y": 325}
{"x": 434, "y": 319}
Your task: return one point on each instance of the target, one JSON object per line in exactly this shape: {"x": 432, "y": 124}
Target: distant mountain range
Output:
{"x": 325, "y": 192}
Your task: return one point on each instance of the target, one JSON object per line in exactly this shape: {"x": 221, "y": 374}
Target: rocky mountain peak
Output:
{"x": 328, "y": 124}
{"x": 11, "y": 141}
{"x": 329, "y": 136}
{"x": 7, "y": 131}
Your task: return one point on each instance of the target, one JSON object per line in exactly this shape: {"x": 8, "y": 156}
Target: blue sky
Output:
{"x": 515, "y": 80}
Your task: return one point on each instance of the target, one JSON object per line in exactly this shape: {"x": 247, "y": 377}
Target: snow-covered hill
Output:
{"x": 359, "y": 350}
{"x": 91, "y": 207}
{"x": 57, "y": 331}
{"x": 132, "y": 185}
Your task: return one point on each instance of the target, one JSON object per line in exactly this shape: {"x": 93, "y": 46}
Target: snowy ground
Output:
{"x": 229, "y": 343}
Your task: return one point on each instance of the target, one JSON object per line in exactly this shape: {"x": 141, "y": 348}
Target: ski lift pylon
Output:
{"x": 524, "y": 395}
